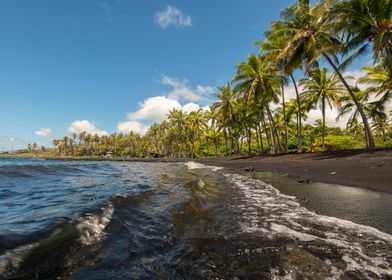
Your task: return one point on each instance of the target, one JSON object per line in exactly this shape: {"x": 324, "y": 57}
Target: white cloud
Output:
{"x": 104, "y": 6}
{"x": 44, "y": 132}
{"x": 183, "y": 91}
{"x": 134, "y": 126}
{"x": 190, "y": 107}
{"x": 206, "y": 108}
{"x": 172, "y": 16}
{"x": 154, "y": 108}
{"x": 79, "y": 126}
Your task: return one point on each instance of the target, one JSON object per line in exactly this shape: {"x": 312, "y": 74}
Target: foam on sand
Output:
{"x": 265, "y": 211}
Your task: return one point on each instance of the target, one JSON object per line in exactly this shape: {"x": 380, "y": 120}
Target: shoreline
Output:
{"x": 364, "y": 169}
{"x": 357, "y": 168}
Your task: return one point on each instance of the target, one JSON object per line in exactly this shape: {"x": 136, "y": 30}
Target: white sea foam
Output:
{"x": 264, "y": 210}
{"x": 195, "y": 165}
{"x": 91, "y": 230}
{"x": 92, "y": 227}
{"x": 11, "y": 260}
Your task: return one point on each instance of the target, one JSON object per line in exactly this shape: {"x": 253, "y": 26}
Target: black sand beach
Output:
{"x": 358, "y": 168}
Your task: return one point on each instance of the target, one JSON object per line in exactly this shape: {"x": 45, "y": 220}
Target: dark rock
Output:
{"x": 303, "y": 181}
{"x": 250, "y": 168}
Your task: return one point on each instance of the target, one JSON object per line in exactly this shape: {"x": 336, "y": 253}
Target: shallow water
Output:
{"x": 359, "y": 205}
{"x": 102, "y": 220}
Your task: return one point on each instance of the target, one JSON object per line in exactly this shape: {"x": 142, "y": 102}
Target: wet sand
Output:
{"x": 358, "y": 168}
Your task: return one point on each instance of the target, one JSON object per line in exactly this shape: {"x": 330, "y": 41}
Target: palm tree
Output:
{"x": 373, "y": 109}
{"x": 277, "y": 39}
{"x": 195, "y": 122}
{"x": 213, "y": 117}
{"x": 322, "y": 88}
{"x": 256, "y": 79}
{"x": 379, "y": 80}
{"x": 294, "y": 113}
{"x": 178, "y": 118}
{"x": 226, "y": 106}
{"x": 366, "y": 22}
{"x": 311, "y": 36}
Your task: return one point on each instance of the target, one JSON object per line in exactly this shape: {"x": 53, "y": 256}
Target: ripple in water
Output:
{"x": 102, "y": 220}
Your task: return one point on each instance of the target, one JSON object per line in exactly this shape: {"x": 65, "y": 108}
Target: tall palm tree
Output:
{"x": 366, "y": 22}
{"x": 178, "y": 118}
{"x": 256, "y": 79}
{"x": 226, "y": 106}
{"x": 214, "y": 129}
{"x": 271, "y": 47}
{"x": 324, "y": 89}
{"x": 277, "y": 39}
{"x": 311, "y": 36}
{"x": 195, "y": 122}
{"x": 373, "y": 109}
{"x": 379, "y": 82}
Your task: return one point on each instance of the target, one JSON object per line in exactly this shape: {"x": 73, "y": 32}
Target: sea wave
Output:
{"x": 195, "y": 165}
{"x": 92, "y": 227}
{"x": 262, "y": 210}
{"x": 90, "y": 230}
{"x": 266, "y": 211}
{"x": 31, "y": 170}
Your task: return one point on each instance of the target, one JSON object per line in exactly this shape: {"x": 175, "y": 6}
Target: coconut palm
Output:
{"x": 373, "y": 109}
{"x": 226, "y": 106}
{"x": 177, "y": 117}
{"x": 277, "y": 39}
{"x": 195, "y": 123}
{"x": 379, "y": 82}
{"x": 271, "y": 47}
{"x": 213, "y": 131}
{"x": 312, "y": 36}
{"x": 256, "y": 79}
{"x": 366, "y": 22}
{"x": 324, "y": 89}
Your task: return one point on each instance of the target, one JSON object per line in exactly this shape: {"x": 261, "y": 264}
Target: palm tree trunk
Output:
{"x": 237, "y": 142}
{"x": 215, "y": 145}
{"x": 261, "y": 138}
{"x": 323, "y": 132}
{"x": 275, "y": 131}
{"x": 266, "y": 133}
{"x": 368, "y": 131}
{"x": 286, "y": 145}
{"x": 258, "y": 140}
{"x": 249, "y": 142}
{"x": 226, "y": 141}
{"x": 299, "y": 130}
{"x": 231, "y": 142}
{"x": 271, "y": 126}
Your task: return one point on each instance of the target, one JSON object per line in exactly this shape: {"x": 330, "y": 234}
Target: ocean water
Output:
{"x": 123, "y": 220}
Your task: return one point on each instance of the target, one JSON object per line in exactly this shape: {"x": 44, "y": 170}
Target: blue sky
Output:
{"x": 104, "y": 63}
